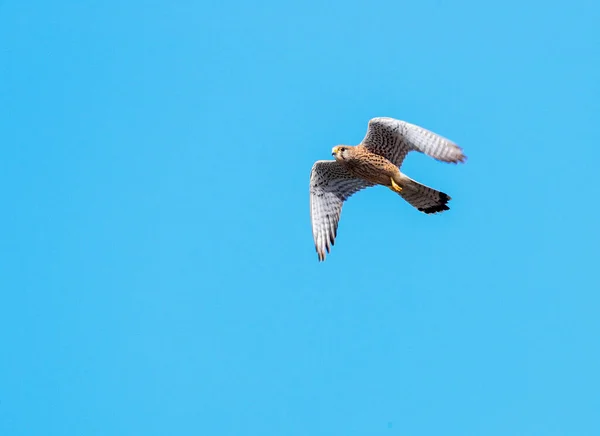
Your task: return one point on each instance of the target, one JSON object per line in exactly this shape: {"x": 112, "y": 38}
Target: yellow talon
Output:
{"x": 395, "y": 186}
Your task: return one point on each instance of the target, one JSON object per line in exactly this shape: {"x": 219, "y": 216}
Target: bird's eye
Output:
{"x": 343, "y": 149}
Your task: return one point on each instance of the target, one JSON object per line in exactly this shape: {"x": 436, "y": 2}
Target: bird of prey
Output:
{"x": 375, "y": 161}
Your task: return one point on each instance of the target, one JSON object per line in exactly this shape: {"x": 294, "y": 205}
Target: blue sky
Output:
{"x": 157, "y": 267}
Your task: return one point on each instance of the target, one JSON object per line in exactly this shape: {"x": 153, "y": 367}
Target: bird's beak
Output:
{"x": 334, "y": 151}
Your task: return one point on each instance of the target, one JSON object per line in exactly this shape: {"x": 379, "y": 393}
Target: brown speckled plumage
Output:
{"x": 375, "y": 161}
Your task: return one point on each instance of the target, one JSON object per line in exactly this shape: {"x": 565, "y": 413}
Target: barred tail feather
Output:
{"x": 424, "y": 198}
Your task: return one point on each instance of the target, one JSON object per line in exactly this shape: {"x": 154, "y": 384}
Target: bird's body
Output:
{"x": 369, "y": 166}
{"x": 375, "y": 161}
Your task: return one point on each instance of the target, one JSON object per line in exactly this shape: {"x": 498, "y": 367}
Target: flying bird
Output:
{"x": 375, "y": 161}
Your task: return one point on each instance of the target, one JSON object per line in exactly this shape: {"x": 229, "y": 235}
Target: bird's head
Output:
{"x": 340, "y": 152}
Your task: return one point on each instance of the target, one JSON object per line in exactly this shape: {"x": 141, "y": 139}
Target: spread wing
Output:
{"x": 393, "y": 139}
{"x": 330, "y": 185}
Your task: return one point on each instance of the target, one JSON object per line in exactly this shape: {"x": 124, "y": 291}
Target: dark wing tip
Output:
{"x": 461, "y": 157}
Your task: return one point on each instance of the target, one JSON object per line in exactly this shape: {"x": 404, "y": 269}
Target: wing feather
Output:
{"x": 330, "y": 185}
{"x": 394, "y": 139}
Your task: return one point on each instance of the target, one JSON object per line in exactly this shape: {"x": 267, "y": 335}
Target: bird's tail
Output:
{"x": 423, "y": 197}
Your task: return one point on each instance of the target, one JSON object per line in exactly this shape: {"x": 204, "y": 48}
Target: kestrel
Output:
{"x": 375, "y": 161}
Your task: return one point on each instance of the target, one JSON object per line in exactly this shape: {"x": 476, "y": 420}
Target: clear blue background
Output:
{"x": 157, "y": 269}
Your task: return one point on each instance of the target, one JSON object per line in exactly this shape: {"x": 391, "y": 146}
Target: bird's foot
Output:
{"x": 396, "y": 187}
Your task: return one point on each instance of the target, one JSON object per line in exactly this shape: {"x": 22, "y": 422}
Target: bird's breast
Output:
{"x": 375, "y": 169}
